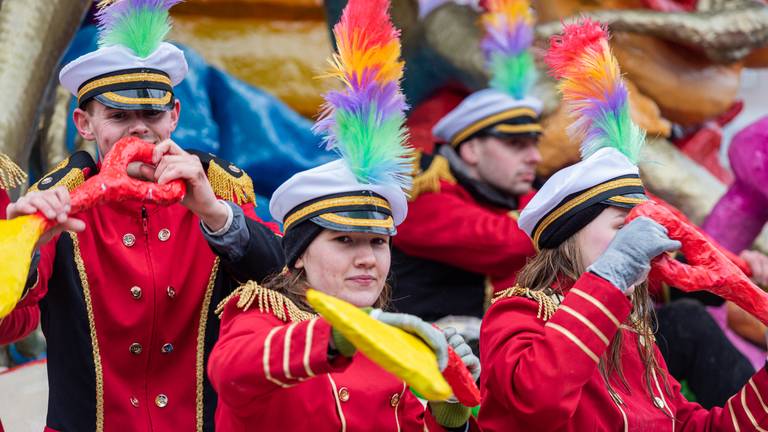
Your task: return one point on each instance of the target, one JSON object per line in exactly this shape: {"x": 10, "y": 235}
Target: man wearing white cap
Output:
{"x": 462, "y": 231}
{"x": 126, "y": 294}
{"x": 461, "y": 240}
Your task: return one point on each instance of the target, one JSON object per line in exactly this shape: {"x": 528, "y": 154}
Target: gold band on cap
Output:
{"x": 522, "y": 128}
{"x": 114, "y": 97}
{"x": 487, "y": 121}
{"x": 335, "y": 202}
{"x": 121, "y": 79}
{"x": 580, "y": 199}
{"x": 343, "y": 220}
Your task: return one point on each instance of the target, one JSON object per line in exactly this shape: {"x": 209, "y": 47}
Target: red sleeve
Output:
{"x": 536, "y": 369}
{"x": 257, "y": 354}
{"x": 19, "y": 323}
{"x": 744, "y": 411}
{"x": 26, "y": 315}
{"x": 4, "y": 201}
{"x": 445, "y": 228}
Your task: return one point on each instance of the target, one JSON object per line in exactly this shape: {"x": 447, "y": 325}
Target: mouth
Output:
{"x": 362, "y": 279}
{"x": 527, "y": 177}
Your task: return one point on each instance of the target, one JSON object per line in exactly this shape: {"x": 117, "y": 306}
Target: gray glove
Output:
{"x": 415, "y": 325}
{"x": 470, "y": 360}
{"x": 627, "y": 260}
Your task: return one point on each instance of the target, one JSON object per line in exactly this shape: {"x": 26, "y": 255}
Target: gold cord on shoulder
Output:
{"x": 269, "y": 301}
{"x": 429, "y": 180}
{"x": 226, "y": 186}
{"x": 547, "y": 305}
{"x": 72, "y": 179}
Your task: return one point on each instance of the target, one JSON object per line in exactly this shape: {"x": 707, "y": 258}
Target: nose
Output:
{"x": 534, "y": 155}
{"x": 138, "y": 128}
{"x": 364, "y": 257}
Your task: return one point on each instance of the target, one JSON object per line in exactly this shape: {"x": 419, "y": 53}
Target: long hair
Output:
{"x": 552, "y": 267}
{"x": 293, "y": 284}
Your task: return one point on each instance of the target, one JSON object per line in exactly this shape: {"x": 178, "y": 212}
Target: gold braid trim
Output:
{"x": 547, "y": 305}
{"x": 10, "y": 173}
{"x": 74, "y": 178}
{"x": 98, "y": 370}
{"x": 200, "y": 355}
{"x": 269, "y": 301}
{"x": 226, "y": 186}
{"x": 429, "y": 180}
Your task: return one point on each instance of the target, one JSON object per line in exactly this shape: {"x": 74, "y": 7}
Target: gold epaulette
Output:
{"x": 269, "y": 301}
{"x": 70, "y": 173}
{"x": 10, "y": 173}
{"x": 228, "y": 181}
{"x": 428, "y": 170}
{"x": 547, "y": 303}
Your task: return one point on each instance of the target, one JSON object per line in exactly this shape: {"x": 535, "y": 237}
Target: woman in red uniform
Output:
{"x": 277, "y": 366}
{"x": 571, "y": 347}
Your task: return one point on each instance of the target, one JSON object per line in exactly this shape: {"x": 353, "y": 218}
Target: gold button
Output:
{"x": 135, "y": 348}
{"x": 129, "y": 239}
{"x": 394, "y": 400}
{"x": 343, "y": 394}
{"x": 164, "y": 234}
{"x": 136, "y": 292}
{"x": 135, "y": 402}
{"x": 46, "y": 180}
{"x": 161, "y": 400}
{"x": 167, "y": 348}
{"x": 171, "y": 292}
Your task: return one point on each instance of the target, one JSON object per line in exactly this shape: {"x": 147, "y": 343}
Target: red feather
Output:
{"x": 567, "y": 48}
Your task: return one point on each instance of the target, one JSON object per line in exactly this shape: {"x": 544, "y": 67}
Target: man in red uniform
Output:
{"x": 461, "y": 232}
{"x": 126, "y": 291}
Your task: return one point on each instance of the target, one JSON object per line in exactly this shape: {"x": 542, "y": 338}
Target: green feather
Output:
{"x": 141, "y": 30}
{"x": 513, "y": 74}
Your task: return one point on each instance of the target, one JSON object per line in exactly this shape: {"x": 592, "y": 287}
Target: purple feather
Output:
{"x": 508, "y": 39}
{"x": 109, "y": 16}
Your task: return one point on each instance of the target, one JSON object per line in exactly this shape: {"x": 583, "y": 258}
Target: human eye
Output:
{"x": 379, "y": 241}
{"x": 344, "y": 239}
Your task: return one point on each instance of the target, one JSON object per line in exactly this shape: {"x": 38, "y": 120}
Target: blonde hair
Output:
{"x": 548, "y": 270}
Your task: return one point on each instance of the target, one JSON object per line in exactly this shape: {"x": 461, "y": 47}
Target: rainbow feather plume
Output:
{"x": 140, "y": 25}
{"x": 591, "y": 85}
{"x": 508, "y": 37}
{"x": 364, "y": 121}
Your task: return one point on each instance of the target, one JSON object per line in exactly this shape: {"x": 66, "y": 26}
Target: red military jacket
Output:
{"x": 541, "y": 373}
{"x": 448, "y": 237}
{"x": 4, "y": 201}
{"x": 272, "y": 372}
{"x": 127, "y": 310}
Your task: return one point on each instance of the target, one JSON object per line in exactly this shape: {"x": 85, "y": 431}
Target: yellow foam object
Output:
{"x": 395, "y": 350}
{"x": 18, "y": 237}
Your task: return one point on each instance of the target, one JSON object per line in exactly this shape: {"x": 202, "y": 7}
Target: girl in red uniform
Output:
{"x": 571, "y": 346}
{"x": 277, "y": 366}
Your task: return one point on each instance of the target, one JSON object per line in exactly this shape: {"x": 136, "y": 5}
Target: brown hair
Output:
{"x": 564, "y": 263}
{"x": 293, "y": 285}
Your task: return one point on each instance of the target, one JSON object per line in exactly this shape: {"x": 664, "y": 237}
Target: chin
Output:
{"x": 520, "y": 189}
{"x": 361, "y": 298}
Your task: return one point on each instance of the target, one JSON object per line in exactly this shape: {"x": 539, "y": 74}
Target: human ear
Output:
{"x": 82, "y": 121}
